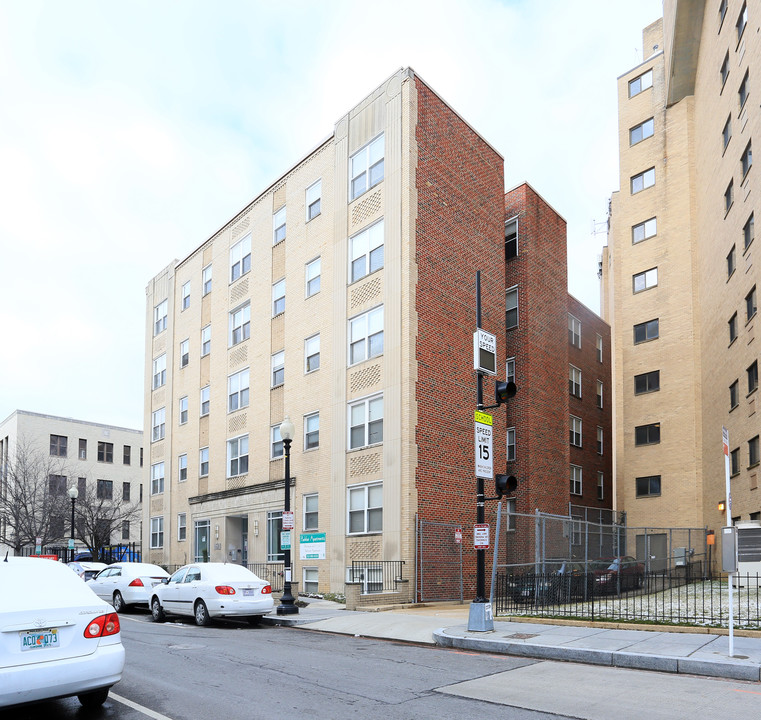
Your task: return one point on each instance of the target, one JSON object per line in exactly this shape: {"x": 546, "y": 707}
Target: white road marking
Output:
{"x": 144, "y": 710}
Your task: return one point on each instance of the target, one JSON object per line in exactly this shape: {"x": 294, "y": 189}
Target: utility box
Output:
{"x": 729, "y": 549}
{"x": 748, "y": 554}
{"x": 680, "y": 557}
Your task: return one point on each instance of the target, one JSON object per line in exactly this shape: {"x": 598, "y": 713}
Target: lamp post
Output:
{"x": 287, "y": 605}
{"x": 73, "y": 494}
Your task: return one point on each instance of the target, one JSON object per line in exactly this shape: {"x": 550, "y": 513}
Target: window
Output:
{"x": 510, "y": 444}
{"x": 278, "y": 297}
{"x": 311, "y": 431}
{"x": 645, "y": 280}
{"x": 729, "y": 196}
{"x": 750, "y": 304}
{"x": 732, "y": 328}
{"x": 183, "y": 410}
{"x": 646, "y": 331}
{"x": 159, "y": 371}
{"x": 742, "y": 21}
{"x": 157, "y": 478}
{"x": 724, "y": 70}
{"x": 159, "y": 317}
{"x": 158, "y": 424}
{"x": 366, "y": 336}
{"x": 643, "y": 181}
{"x": 599, "y": 440}
{"x": 182, "y": 467}
{"x": 599, "y": 348}
{"x": 647, "y": 434}
{"x": 641, "y": 132}
{"x": 57, "y": 485}
{"x": 82, "y": 449}
{"x": 205, "y": 341}
{"x": 141, "y": 465}
{"x": 734, "y": 461}
{"x": 742, "y": 93}
{"x": 237, "y": 456}
{"x": 649, "y": 486}
{"x": 186, "y": 295}
{"x": 575, "y": 480}
{"x": 278, "y": 368}
{"x": 366, "y": 168}
{"x": 310, "y": 512}
{"x": 510, "y": 370}
{"x": 511, "y": 239}
{"x": 205, "y": 400}
{"x": 752, "y": 373}
{"x": 125, "y": 529}
{"x": 203, "y": 462}
{"x": 644, "y": 230}
{"x": 599, "y": 394}
{"x": 734, "y": 394}
{"x": 313, "y": 200}
{"x": 722, "y": 12}
{"x": 278, "y": 226}
{"x": 574, "y": 381}
{"x": 647, "y": 382}
{"x": 366, "y": 251}
{"x": 276, "y": 443}
{"x": 600, "y": 486}
{"x": 313, "y": 271}
{"x": 182, "y": 526}
{"x": 206, "y": 279}
{"x": 574, "y": 331}
{"x": 731, "y": 262}
{"x": 59, "y": 445}
{"x": 753, "y": 457}
{"x": 105, "y": 490}
{"x": 641, "y": 83}
{"x": 511, "y": 308}
{"x": 365, "y": 508}
{"x": 157, "y": 532}
{"x": 312, "y": 354}
{"x": 749, "y": 231}
{"x": 237, "y": 390}
{"x": 240, "y": 324}
{"x": 575, "y": 433}
{"x": 274, "y": 528}
{"x": 127, "y": 455}
{"x": 726, "y": 133}
{"x": 310, "y": 577}
{"x": 105, "y": 452}
{"x": 366, "y": 422}
{"x": 240, "y": 258}
{"x": 746, "y": 160}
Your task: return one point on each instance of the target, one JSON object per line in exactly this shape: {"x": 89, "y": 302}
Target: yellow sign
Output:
{"x": 483, "y": 418}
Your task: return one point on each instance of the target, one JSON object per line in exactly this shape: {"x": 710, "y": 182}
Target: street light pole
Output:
{"x": 73, "y": 494}
{"x": 287, "y": 605}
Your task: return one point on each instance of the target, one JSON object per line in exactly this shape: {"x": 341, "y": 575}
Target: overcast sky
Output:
{"x": 131, "y": 131}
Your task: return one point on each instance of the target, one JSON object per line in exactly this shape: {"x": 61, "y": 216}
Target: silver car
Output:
{"x": 125, "y": 584}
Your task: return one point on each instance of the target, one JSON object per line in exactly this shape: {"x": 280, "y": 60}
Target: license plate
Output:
{"x": 248, "y": 591}
{"x": 39, "y": 639}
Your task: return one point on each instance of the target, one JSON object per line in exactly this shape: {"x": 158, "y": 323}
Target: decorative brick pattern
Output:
{"x": 236, "y": 482}
{"x": 367, "y": 209}
{"x": 238, "y": 356}
{"x": 159, "y": 397}
{"x": 364, "y": 465}
{"x": 241, "y": 227}
{"x": 364, "y": 548}
{"x": 159, "y": 344}
{"x": 365, "y": 293}
{"x": 157, "y": 505}
{"x": 239, "y": 291}
{"x": 365, "y": 379}
{"x": 237, "y": 423}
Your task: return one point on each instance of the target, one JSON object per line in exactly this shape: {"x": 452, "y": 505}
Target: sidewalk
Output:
{"x": 673, "y": 651}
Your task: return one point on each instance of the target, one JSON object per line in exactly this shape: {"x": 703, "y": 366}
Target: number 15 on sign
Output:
{"x": 484, "y": 460}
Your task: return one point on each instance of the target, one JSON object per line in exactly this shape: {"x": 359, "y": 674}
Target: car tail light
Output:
{"x": 137, "y": 582}
{"x": 225, "y": 590}
{"x": 267, "y": 590}
{"x": 103, "y": 626}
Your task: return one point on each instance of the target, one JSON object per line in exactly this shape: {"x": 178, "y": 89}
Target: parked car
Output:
{"x": 126, "y": 584}
{"x": 212, "y": 590}
{"x": 619, "y": 573}
{"x": 57, "y": 638}
{"x": 562, "y": 582}
{"x": 87, "y": 570}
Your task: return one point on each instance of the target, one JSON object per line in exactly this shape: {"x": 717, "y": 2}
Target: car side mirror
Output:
{"x": 165, "y": 580}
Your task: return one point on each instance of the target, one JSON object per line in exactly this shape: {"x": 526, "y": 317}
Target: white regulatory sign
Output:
{"x": 484, "y": 458}
{"x": 484, "y": 352}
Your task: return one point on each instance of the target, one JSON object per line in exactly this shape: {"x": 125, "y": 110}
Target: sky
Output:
{"x": 131, "y": 131}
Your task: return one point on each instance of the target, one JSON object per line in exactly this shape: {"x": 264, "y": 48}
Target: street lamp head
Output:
{"x": 73, "y": 492}
{"x": 287, "y": 429}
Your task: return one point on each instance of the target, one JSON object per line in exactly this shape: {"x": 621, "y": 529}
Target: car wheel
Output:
{"x": 118, "y": 602}
{"x": 157, "y": 612}
{"x": 93, "y": 699}
{"x": 202, "y": 613}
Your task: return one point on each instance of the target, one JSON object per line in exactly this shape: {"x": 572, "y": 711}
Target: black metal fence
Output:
{"x": 377, "y": 576}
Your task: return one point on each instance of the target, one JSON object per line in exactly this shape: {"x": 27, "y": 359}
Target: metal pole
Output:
{"x": 287, "y": 605}
{"x": 73, "y": 500}
{"x": 496, "y": 551}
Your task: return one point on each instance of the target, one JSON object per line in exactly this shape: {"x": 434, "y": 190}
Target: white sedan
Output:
{"x": 212, "y": 590}
{"x": 124, "y": 584}
{"x": 57, "y": 638}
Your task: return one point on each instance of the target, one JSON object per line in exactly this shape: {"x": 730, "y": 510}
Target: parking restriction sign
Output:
{"x": 481, "y": 536}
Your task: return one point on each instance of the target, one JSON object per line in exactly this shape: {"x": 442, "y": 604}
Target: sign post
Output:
{"x": 730, "y": 578}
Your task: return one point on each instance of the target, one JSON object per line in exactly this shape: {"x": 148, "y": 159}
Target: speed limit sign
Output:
{"x": 484, "y": 459}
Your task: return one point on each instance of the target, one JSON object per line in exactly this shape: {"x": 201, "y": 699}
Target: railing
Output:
{"x": 377, "y": 576}
{"x": 273, "y": 573}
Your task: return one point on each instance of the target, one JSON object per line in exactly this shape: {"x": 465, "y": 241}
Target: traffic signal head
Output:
{"x": 503, "y": 391}
{"x": 505, "y": 484}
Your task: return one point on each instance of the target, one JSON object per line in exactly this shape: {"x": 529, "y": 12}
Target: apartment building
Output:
{"x": 679, "y": 281}
{"x": 343, "y": 297}
{"x": 50, "y": 455}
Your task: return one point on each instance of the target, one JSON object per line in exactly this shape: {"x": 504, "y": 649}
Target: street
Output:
{"x": 179, "y": 671}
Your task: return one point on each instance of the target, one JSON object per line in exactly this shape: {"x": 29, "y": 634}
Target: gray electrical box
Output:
{"x": 729, "y": 549}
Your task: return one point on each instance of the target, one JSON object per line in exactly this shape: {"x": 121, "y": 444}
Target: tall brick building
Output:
{"x": 343, "y": 297}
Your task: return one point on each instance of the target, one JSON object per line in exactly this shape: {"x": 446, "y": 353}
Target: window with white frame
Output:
{"x": 311, "y": 431}
{"x": 600, "y": 486}
{"x": 510, "y": 370}
{"x": 276, "y": 443}
{"x": 240, "y": 258}
{"x": 510, "y": 510}
{"x": 182, "y": 526}
{"x": 746, "y": 159}
{"x": 157, "y": 478}
{"x": 641, "y": 132}
{"x": 640, "y": 83}
{"x": 203, "y": 462}
{"x": 511, "y": 239}
{"x": 184, "y": 353}
{"x": 599, "y": 394}
{"x": 159, "y": 371}
{"x": 365, "y": 508}
{"x": 157, "y": 532}
{"x": 575, "y": 431}
{"x": 311, "y": 516}
{"x": 366, "y": 251}
{"x": 366, "y": 335}
{"x": 310, "y": 576}
{"x": 158, "y": 424}
{"x": 278, "y": 226}
{"x": 644, "y": 230}
{"x": 575, "y": 480}
{"x": 599, "y": 440}
{"x": 182, "y": 467}
{"x": 574, "y": 381}
{"x": 237, "y": 390}
{"x": 313, "y": 200}
{"x": 642, "y": 181}
{"x": 205, "y": 340}
{"x": 278, "y": 297}
{"x": 366, "y": 422}
{"x": 183, "y": 409}
{"x": 599, "y": 348}
{"x": 186, "y": 295}
{"x": 753, "y": 452}
{"x": 274, "y": 528}
{"x": 237, "y": 456}
{"x": 510, "y": 434}
{"x": 750, "y": 304}
{"x": 749, "y": 232}
{"x": 511, "y": 308}
{"x": 277, "y": 376}
{"x": 240, "y": 324}
{"x": 312, "y": 277}
{"x": 369, "y": 578}
{"x": 205, "y": 400}
{"x": 206, "y": 279}
{"x": 159, "y": 317}
{"x": 312, "y": 354}
{"x": 366, "y": 167}
{"x": 574, "y": 331}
